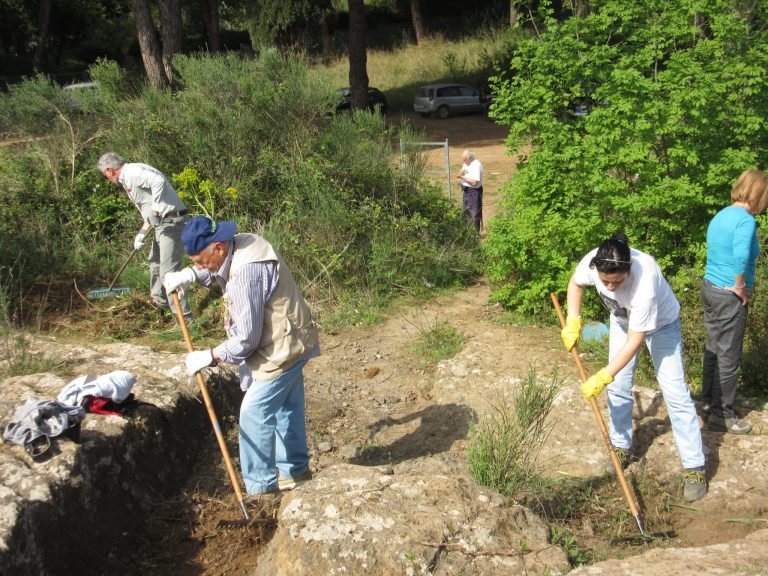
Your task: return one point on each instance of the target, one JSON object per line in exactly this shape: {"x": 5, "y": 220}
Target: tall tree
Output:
{"x": 149, "y": 45}
{"x": 211, "y": 22}
{"x": 358, "y": 72}
{"x": 672, "y": 121}
{"x": 43, "y": 20}
{"x": 170, "y": 32}
{"x": 418, "y": 27}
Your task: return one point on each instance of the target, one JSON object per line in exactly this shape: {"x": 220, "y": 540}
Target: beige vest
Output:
{"x": 288, "y": 333}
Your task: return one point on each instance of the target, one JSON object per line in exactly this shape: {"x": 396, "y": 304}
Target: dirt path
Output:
{"x": 473, "y": 132}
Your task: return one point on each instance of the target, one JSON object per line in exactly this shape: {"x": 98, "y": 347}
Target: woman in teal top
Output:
{"x": 732, "y": 250}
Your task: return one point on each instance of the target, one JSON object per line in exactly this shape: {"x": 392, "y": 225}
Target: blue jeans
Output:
{"x": 273, "y": 432}
{"x": 665, "y": 345}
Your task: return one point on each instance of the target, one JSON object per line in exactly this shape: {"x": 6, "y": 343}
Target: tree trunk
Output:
{"x": 43, "y": 20}
{"x": 514, "y": 13}
{"x": 325, "y": 37}
{"x": 418, "y": 28}
{"x": 358, "y": 73}
{"x": 581, "y": 7}
{"x": 150, "y": 49}
{"x": 170, "y": 32}
{"x": 210, "y": 11}
{"x": 700, "y": 29}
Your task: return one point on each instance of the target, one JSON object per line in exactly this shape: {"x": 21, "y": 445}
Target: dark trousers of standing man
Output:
{"x": 473, "y": 205}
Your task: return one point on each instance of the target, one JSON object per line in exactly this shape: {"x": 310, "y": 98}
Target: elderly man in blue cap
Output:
{"x": 271, "y": 336}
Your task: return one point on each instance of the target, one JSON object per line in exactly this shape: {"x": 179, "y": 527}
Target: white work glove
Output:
{"x": 179, "y": 281}
{"x": 138, "y": 242}
{"x": 198, "y": 360}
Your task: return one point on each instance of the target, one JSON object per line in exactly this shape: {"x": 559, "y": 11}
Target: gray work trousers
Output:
{"x": 726, "y": 321}
{"x": 165, "y": 255}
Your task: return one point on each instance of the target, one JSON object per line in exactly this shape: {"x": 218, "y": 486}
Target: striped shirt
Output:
{"x": 247, "y": 294}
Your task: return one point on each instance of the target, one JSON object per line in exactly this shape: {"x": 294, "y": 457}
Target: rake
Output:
{"x": 111, "y": 291}
{"x": 214, "y": 422}
{"x": 599, "y": 417}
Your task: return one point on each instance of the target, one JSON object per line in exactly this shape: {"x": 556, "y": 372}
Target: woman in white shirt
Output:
{"x": 643, "y": 309}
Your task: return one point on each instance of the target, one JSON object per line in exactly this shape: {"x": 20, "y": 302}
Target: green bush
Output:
{"x": 673, "y": 120}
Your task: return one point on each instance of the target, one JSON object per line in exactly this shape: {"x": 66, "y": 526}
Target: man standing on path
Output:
{"x": 271, "y": 336}
{"x": 471, "y": 178}
{"x": 161, "y": 209}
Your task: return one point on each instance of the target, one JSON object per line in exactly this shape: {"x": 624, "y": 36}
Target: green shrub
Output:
{"x": 254, "y": 141}
{"x": 672, "y": 123}
{"x": 504, "y": 446}
{"x": 438, "y": 342}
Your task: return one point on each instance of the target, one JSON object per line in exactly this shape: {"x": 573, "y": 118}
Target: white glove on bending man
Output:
{"x": 179, "y": 281}
{"x": 198, "y": 360}
{"x": 138, "y": 242}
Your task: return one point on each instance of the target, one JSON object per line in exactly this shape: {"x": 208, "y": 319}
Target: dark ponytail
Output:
{"x": 613, "y": 255}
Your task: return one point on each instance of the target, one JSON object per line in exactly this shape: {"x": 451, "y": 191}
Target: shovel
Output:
{"x": 599, "y": 417}
{"x": 214, "y": 421}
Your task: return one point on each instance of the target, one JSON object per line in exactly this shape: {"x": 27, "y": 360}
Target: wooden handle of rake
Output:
{"x": 600, "y": 422}
{"x": 122, "y": 268}
{"x": 209, "y": 406}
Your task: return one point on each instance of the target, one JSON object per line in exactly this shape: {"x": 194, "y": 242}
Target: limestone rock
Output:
{"x": 746, "y": 556}
{"x": 367, "y": 520}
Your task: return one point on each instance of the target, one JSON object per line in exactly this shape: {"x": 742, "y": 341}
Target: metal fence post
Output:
{"x": 446, "y": 159}
{"x": 448, "y": 169}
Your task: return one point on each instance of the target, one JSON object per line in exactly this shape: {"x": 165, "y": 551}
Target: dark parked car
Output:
{"x": 447, "y": 99}
{"x": 376, "y": 100}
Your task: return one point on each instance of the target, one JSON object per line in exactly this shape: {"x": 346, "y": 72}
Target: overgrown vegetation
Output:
{"x": 254, "y": 141}
{"x": 670, "y": 116}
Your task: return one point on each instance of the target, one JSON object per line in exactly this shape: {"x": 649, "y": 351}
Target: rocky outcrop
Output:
{"x": 77, "y": 510}
{"x": 391, "y": 496}
{"x": 746, "y": 556}
{"x": 379, "y": 520}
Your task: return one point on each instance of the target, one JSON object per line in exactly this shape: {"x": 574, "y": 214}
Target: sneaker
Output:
{"x": 694, "y": 485}
{"x": 291, "y": 483}
{"x": 730, "y": 425}
{"x": 625, "y": 459}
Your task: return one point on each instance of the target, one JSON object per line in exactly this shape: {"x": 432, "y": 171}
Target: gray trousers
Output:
{"x": 726, "y": 321}
{"x": 165, "y": 255}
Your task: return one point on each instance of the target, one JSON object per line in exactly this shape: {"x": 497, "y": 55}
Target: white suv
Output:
{"x": 446, "y": 99}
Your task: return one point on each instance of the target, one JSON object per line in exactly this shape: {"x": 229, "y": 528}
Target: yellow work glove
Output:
{"x": 595, "y": 384}
{"x": 570, "y": 334}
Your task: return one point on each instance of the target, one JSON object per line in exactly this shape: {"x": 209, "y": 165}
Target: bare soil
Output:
{"x": 371, "y": 400}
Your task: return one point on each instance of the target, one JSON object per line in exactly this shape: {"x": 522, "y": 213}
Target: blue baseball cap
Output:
{"x": 201, "y": 231}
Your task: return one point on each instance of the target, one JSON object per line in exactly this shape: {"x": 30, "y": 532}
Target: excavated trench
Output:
{"x": 82, "y": 510}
